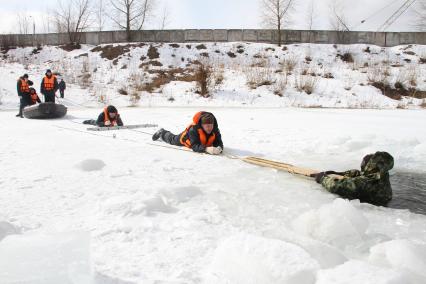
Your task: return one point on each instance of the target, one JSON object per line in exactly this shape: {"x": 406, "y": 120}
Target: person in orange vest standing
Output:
{"x": 108, "y": 118}
{"x": 49, "y": 86}
{"x": 202, "y": 135}
{"x": 23, "y": 88}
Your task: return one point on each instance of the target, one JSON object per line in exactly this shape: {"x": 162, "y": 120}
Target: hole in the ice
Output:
{"x": 409, "y": 191}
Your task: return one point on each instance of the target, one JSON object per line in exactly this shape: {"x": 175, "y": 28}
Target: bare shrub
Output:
{"x": 280, "y": 85}
{"x": 306, "y": 84}
{"x": 218, "y": 76}
{"x": 412, "y": 76}
{"x": 203, "y": 78}
{"x": 153, "y": 52}
{"x": 135, "y": 97}
{"x": 378, "y": 74}
{"x": 123, "y": 91}
{"x": 289, "y": 64}
{"x": 346, "y": 57}
{"x": 259, "y": 76}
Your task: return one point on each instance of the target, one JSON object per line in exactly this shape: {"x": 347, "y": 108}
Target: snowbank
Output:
{"x": 7, "y": 228}
{"x": 402, "y": 255}
{"x": 256, "y": 75}
{"x": 356, "y": 272}
{"x": 338, "y": 223}
{"x": 45, "y": 259}
{"x": 251, "y": 259}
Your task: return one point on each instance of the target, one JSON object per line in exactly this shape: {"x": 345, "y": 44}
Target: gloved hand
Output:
{"x": 319, "y": 176}
{"x": 213, "y": 150}
{"x": 107, "y": 123}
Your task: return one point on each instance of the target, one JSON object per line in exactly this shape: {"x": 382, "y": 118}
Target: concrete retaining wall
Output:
{"x": 252, "y": 35}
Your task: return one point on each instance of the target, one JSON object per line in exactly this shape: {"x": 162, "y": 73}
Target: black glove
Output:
{"x": 319, "y": 176}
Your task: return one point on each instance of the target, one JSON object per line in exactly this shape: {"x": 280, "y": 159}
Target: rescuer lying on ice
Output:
{"x": 109, "y": 117}
{"x": 202, "y": 135}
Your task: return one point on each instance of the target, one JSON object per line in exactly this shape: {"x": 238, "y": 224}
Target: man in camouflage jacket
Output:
{"x": 370, "y": 185}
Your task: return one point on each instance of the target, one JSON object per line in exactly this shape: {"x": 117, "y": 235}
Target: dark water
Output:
{"x": 409, "y": 191}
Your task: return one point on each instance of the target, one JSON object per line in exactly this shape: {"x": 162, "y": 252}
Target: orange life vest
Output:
{"x": 25, "y": 88}
{"x": 107, "y": 118}
{"x": 184, "y": 140}
{"x": 49, "y": 83}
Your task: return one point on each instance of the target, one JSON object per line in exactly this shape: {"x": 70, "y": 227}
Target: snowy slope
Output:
{"x": 156, "y": 215}
{"x": 251, "y": 74}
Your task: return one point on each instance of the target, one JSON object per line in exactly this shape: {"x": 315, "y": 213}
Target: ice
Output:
{"x": 91, "y": 165}
{"x": 338, "y": 223}
{"x": 157, "y": 214}
{"x": 45, "y": 259}
{"x": 356, "y": 272}
{"x": 402, "y": 255}
{"x": 251, "y": 259}
{"x": 6, "y": 229}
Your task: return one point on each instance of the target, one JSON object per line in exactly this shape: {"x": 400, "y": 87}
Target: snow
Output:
{"x": 402, "y": 255}
{"x": 90, "y": 165}
{"x": 130, "y": 212}
{"x": 355, "y": 271}
{"x": 45, "y": 259}
{"x": 157, "y": 214}
{"x": 338, "y": 223}
{"x": 252, "y": 259}
{"x": 94, "y": 81}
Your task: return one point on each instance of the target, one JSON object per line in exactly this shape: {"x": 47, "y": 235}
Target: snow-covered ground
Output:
{"x": 72, "y": 202}
{"x": 87, "y": 207}
{"x": 244, "y": 74}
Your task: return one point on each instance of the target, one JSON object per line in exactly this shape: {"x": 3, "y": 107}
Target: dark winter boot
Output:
{"x": 157, "y": 135}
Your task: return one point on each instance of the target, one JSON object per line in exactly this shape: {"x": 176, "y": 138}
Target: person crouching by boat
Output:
{"x": 108, "y": 118}
{"x": 33, "y": 98}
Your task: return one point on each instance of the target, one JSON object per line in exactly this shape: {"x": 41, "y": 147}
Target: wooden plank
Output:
{"x": 280, "y": 166}
{"x": 121, "y": 127}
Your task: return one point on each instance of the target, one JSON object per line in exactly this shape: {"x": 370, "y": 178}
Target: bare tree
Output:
{"x": 23, "y": 23}
{"x": 338, "y": 20}
{"x": 420, "y": 20}
{"x": 276, "y": 14}
{"x": 131, "y": 14}
{"x": 73, "y": 17}
{"x": 311, "y": 17}
{"x": 165, "y": 18}
{"x": 100, "y": 14}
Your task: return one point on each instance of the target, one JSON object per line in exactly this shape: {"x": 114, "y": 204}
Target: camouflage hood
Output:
{"x": 380, "y": 162}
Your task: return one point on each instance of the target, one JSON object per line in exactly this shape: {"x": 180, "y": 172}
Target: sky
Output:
{"x": 228, "y": 14}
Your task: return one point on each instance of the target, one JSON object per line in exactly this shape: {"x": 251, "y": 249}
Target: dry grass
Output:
{"x": 259, "y": 76}
{"x": 289, "y": 64}
{"x": 203, "y": 78}
{"x": 306, "y": 84}
{"x": 280, "y": 85}
{"x": 153, "y": 52}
